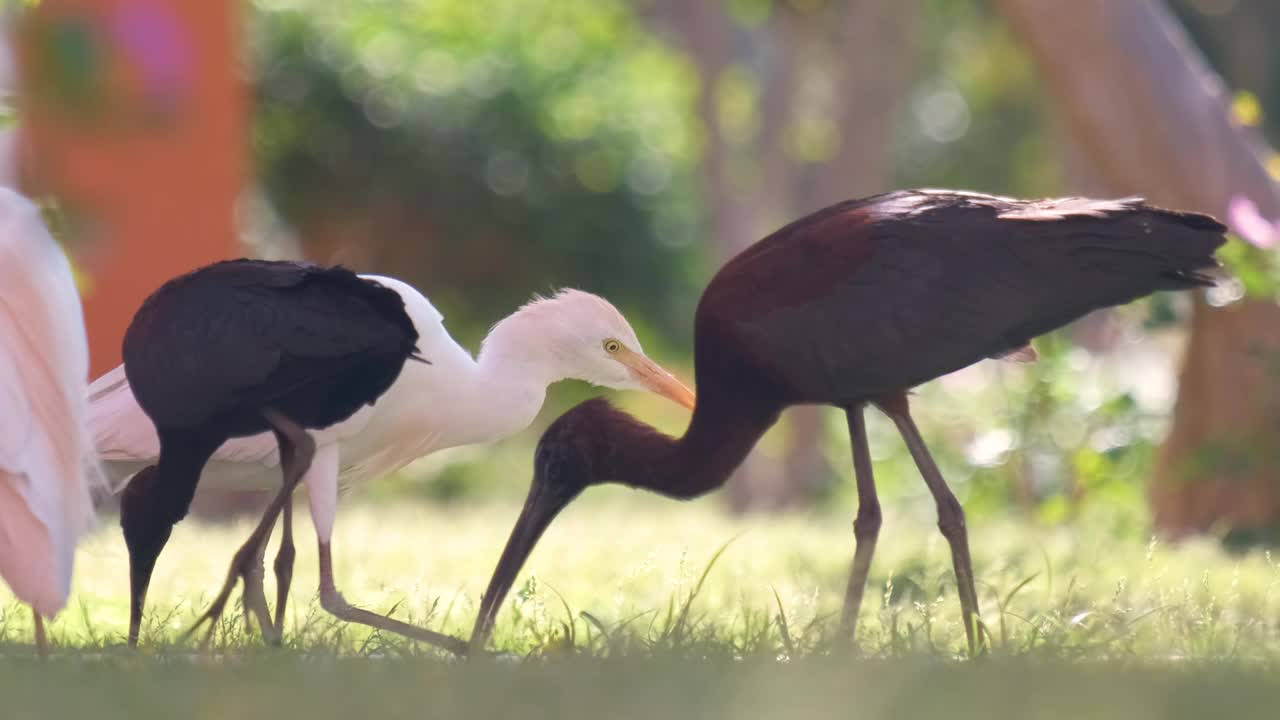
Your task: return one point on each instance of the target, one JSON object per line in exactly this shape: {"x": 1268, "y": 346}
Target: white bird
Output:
{"x": 48, "y": 465}
{"x": 455, "y": 400}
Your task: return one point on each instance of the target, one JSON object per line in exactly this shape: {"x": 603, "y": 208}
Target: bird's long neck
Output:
{"x": 719, "y": 437}
{"x": 504, "y": 389}
{"x": 517, "y": 348}
{"x": 494, "y": 400}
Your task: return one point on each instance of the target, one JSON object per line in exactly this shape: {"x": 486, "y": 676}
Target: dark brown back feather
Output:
{"x": 877, "y": 295}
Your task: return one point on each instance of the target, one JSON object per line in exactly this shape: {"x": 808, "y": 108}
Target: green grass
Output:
{"x": 609, "y": 617}
{"x": 268, "y": 687}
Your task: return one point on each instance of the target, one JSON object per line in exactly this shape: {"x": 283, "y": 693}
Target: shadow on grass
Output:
{"x": 317, "y": 686}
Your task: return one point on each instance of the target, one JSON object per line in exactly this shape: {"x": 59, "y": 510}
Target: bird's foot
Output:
{"x": 211, "y": 617}
{"x": 254, "y": 603}
{"x": 42, "y": 639}
{"x": 242, "y": 565}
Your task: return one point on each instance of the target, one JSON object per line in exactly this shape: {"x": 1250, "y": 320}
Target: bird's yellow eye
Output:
{"x": 612, "y": 346}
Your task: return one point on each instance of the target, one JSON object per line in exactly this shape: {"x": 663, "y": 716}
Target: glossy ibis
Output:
{"x": 48, "y": 466}
{"x": 238, "y": 348}
{"x": 456, "y": 400}
{"x": 856, "y": 304}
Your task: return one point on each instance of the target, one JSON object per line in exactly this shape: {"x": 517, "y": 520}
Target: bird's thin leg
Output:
{"x": 332, "y": 600}
{"x": 254, "y": 599}
{"x": 950, "y": 515}
{"x": 296, "y": 453}
{"x": 866, "y": 526}
{"x": 284, "y": 568}
{"x": 42, "y": 640}
{"x": 242, "y": 565}
{"x": 288, "y": 433}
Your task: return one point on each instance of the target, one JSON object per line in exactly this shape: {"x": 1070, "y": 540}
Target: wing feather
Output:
{"x": 878, "y": 295}
{"x": 48, "y": 466}
{"x": 127, "y": 440}
{"x": 253, "y": 331}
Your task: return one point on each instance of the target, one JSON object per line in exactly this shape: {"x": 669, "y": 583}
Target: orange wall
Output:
{"x": 135, "y": 118}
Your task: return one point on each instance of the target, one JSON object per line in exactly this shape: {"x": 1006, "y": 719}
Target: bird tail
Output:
{"x": 1169, "y": 249}
{"x": 1188, "y": 242}
{"x": 123, "y": 436}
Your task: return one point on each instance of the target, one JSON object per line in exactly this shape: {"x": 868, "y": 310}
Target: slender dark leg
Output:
{"x": 155, "y": 500}
{"x": 332, "y": 600}
{"x": 42, "y": 640}
{"x": 950, "y": 515}
{"x": 296, "y": 451}
{"x": 284, "y": 569}
{"x": 287, "y": 434}
{"x": 254, "y": 599}
{"x": 866, "y": 526}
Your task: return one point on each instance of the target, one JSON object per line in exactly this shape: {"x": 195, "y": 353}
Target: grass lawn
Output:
{"x": 609, "y": 621}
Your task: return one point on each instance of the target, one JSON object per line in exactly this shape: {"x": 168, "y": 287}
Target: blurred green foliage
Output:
{"x": 1256, "y": 269}
{"x": 557, "y": 142}
{"x": 977, "y": 115}
{"x": 495, "y": 149}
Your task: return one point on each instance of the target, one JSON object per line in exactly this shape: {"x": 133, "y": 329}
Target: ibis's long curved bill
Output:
{"x": 654, "y": 377}
{"x": 540, "y": 508}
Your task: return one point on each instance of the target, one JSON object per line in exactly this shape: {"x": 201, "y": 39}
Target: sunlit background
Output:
{"x": 487, "y": 150}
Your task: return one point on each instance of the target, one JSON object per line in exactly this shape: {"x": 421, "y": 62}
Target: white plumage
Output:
{"x": 47, "y": 460}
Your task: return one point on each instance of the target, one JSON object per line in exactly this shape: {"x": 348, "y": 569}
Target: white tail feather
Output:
{"x": 121, "y": 431}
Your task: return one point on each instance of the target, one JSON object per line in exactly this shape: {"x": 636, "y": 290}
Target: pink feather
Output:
{"x": 48, "y": 464}
{"x": 1249, "y": 223}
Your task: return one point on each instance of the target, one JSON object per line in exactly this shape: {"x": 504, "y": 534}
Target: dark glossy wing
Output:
{"x": 244, "y": 333}
{"x": 878, "y": 295}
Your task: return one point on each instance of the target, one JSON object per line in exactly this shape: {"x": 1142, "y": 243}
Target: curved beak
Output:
{"x": 652, "y": 376}
{"x": 540, "y": 508}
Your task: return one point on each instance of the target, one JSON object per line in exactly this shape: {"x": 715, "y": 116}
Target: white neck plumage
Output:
{"x": 496, "y": 395}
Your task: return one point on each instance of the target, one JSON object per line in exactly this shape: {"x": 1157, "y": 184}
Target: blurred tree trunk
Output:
{"x": 833, "y": 72}
{"x": 708, "y": 36}
{"x": 707, "y": 31}
{"x": 1146, "y": 109}
{"x": 864, "y": 50}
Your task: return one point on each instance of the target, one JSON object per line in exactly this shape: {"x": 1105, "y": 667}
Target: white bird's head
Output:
{"x": 586, "y": 338}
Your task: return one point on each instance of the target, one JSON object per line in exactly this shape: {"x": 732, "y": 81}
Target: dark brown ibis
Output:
{"x": 856, "y": 304}
{"x": 238, "y": 348}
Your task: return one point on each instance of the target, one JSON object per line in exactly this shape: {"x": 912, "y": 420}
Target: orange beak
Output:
{"x": 649, "y": 374}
